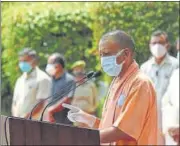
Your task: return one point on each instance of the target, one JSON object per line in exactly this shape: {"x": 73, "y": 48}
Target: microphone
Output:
{"x": 88, "y": 75}
{"x": 91, "y": 73}
{"x": 96, "y": 74}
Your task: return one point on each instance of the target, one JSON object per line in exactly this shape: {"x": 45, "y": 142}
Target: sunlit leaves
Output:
{"x": 75, "y": 28}
{"x": 139, "y": 19}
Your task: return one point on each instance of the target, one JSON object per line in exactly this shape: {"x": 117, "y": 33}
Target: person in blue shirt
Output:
{"x": 60, "y": 78}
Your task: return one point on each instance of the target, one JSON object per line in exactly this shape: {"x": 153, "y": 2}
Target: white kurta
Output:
{"x": 28, "y": 90}
{"x": 170, "y": 107}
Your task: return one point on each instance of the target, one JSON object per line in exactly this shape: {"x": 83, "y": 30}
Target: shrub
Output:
{"x": 139, "y": 19}
{"x": 74, "y": 29}
{"x": 46, "y": 30}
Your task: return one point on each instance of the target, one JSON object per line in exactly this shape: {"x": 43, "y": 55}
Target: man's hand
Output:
{"x": 174, "y": 133}
{"x": 38, "y": 108}
{"x": 27, "y": 116}
{"x": 57, "y": 107}
{"x": 36, "y": 111}
{"x": 77, "y": 115}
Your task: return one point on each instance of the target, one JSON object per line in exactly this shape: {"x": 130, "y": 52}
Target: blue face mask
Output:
{"x": 110, "y": 66}
{"x": 25, "y": 66}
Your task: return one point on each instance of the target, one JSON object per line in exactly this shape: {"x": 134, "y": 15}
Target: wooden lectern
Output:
{"x": 28, "y": 132}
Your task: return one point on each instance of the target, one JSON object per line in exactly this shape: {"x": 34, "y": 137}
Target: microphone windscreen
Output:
{"x": 97, "y": 74}
{"x": 90, "y": 74}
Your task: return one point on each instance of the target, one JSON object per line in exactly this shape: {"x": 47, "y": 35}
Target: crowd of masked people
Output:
{"x": 35, "y": 85}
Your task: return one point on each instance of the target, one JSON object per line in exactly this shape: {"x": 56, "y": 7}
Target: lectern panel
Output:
{"x": 28, "y": 132}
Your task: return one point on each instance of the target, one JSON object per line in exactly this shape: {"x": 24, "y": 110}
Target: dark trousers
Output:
{"x": 61, "y": 117}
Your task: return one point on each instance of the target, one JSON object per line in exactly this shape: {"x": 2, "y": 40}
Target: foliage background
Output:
{"x": 74, "y": 29}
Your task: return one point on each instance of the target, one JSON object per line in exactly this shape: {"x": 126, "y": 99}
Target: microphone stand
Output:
{"x": 56, "y": 94}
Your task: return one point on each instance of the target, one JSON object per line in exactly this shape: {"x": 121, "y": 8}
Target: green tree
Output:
{"x": 45, "y": 28}
{"x": 139, "y": 19}
{"x": 74, "y": 29}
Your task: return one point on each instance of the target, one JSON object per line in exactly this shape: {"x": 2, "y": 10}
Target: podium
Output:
{"x": 29, "y": 132}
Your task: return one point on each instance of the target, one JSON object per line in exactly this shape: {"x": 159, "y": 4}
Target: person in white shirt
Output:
{"x": 31, "y": 87}
{"x": 159, "y": 68}
{"x": 170, "y": 108}
{"x": 177, "y": 47}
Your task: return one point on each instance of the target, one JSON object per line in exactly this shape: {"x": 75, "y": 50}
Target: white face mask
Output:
{"x": 50, "y": 69}
{"x": 158, "y": 50}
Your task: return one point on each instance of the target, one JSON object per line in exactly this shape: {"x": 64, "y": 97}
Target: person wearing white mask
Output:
{"x": 159, "y": 68}
{"x": 60, "y": 78}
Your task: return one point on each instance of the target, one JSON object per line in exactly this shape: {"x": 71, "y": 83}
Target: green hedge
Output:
{"x": 139, "y": 19}
{"x": 74, "y": 30}
{"x": 47, "y": 32}
{"x": 46, "y": 29}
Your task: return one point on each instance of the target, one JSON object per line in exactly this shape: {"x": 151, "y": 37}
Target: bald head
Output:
{"x": 116, "y": 50}
{"x": 120, "y": 38}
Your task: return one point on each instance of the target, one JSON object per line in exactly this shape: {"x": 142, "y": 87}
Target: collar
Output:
{"x": 166, "y": 60}
{"x": 32, "y": 74}
{"x": 133, "y": 68}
